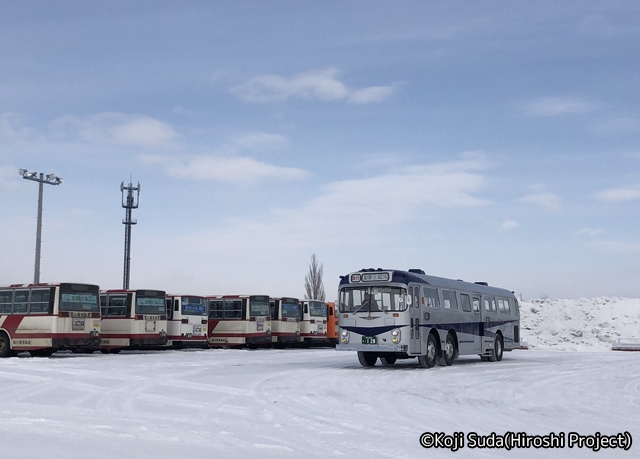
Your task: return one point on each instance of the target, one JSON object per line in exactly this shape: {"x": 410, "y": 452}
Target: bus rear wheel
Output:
{"x": 5, "y": 345}
{"x": 429, "y": 359}
{"x": 449, "y": 354}
{"x": 498, "y": 350}
{"x": 367, "y": 359}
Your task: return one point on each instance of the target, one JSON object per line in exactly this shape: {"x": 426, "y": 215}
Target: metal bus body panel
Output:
{"x": 313, "y": 322}
{"x": 285, "y": 320}
{"x": 137, "y": 327}
{"x": 34, "y": 324}
{"x": 239, "y": 320}
{"x": 332, "y": 323}
{"x": 475, "y": 331}
{"x": 187, "y": 323}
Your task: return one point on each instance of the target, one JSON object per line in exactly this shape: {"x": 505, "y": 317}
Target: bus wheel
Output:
{"x": 386, "y": 361}
{"x": 498, "y": 349}
{"x": 429, "y": 359}
{"x": 367, "y": 359}
{"x": 5, "y": 346}
{"x": 449, "y": 354}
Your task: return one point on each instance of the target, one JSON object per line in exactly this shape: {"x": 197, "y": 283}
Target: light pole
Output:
{"x": 50, "y": 179}
{"x": 129, "y": 203}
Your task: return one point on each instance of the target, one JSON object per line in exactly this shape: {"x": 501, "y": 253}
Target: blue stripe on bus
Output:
{"x": 470, "y": 328}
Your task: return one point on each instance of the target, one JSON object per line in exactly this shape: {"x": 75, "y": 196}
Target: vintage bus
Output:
{"x": 285, "y": 321}
{"x": 132, "y": 319}
{"x": 186, "y": 321}
{"x": 239, "y": 320}
{"x": 332, "y": 324}
{"x": 44, "y": 318}
{"x": 313, "y": 322}
{"x": 392, "y": 315}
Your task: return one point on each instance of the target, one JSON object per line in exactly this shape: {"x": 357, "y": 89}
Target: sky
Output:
{"x": 484, "y": 141}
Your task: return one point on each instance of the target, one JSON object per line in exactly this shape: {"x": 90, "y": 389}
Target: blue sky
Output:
{"x": 486, "y": 141}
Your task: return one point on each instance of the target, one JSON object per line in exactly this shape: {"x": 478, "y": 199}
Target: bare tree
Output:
{"x": 313, "y": 281}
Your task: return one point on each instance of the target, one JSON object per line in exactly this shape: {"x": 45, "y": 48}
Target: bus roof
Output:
{"x": 418, "y": 276}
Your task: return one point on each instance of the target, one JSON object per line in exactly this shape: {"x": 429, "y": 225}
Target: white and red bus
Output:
{"x": 186, "y": 321}
{"x": 44, "y": 318}
{"x": 132, "y": 319}
{"x": 285, "y": 321}
{"x": 239, "y": 320}
{"x": 313, "y": 322}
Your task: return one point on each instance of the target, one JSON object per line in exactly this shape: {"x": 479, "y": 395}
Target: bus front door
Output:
{"x": 415, "y": 343}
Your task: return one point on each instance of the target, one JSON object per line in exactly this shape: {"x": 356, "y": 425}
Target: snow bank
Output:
{"x": 577, "y": 325}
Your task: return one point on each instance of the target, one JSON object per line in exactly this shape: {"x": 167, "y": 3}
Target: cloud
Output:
{"x": 509, "y": 225}
{"x": 616, "y": 247}
{"x": 548, "y": 201}
{"x": 556, "y": 106}
{"x": 261, "y": 141}
{"x": 315, "y": 84}
{"x": 116, "y": 129}
{"x": 618, "y": 124}
{"x": 589, "y": 232}
{"x": 631, "y": 193}
{"x": 13, "y": 128}
{"x": 223, "y": 169}
{"x": 8, "y": 174}
{"x": 364, "y": 212}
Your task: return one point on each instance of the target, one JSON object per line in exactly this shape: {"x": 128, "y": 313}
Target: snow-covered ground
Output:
{"x": 320, "y": 403}
{"x": 584, "y": 324}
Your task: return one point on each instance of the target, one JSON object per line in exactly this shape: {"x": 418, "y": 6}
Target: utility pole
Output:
{"x": 50, "y": 179}
{"x": 128, "y": 203}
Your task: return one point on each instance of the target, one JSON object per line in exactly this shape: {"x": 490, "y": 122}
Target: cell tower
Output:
{"x": 129, "y": 203}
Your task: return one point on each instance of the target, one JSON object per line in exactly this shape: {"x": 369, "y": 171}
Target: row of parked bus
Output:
{"x": 44, "y": 318}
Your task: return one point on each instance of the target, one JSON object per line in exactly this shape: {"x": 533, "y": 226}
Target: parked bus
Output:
{"x": 394, "y": 315}
{"x": 332, "y": 324}
{"x": 186, "y": 321}
{"x": 239, "y": 320}
{"x": 44, "y": 318}
{"x": 132, "y": 319}
{"x": 285, "y": 321}
{"x": 313, "y": 322}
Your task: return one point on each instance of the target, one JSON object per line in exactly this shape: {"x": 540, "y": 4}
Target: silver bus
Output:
{"x": 391, "y": 315}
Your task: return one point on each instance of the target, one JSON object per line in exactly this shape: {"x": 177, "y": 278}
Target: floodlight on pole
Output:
{"x": 50, "y": 179}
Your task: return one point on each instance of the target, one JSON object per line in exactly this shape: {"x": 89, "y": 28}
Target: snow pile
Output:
{"x": 575, "y": 325}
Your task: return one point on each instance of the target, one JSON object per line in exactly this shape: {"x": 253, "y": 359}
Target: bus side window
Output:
{"x": 21, "y": 302}
{"x": 449, "y": 299}
{"x": 40, "y": 300}
{"x": 176, "y": 305}
{"x": 465, "y": 302}
{"x": 431, "y": 297}
{"x": 103, "y": 305}
{"x": 5, "y": 301}
{"x": 330, "y": 311}
{"x": 476, "y": 305}
{"x": 306, "y": 308}
{"x": 117, "y": 305}
{"x": 168, "y": 303}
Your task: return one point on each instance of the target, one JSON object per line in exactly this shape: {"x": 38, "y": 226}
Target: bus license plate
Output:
{"x": 368, "y": 340}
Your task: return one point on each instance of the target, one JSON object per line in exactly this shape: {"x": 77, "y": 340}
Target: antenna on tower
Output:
{"x": 129, "y": 202}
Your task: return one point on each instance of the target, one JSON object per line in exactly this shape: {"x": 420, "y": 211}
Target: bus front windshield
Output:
{"x": 317, "y": 309}
{"x": 290, "y": 309}
{"x": 193, "y": 306}
{"x": 150, "y": 305}
{"x": 259, "y": 306}
{"x": 78, "y": 297}
{"x": 369, "y": 299}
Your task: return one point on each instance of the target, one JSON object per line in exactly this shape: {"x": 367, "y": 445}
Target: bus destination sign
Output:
{"x": 370, "y": 277}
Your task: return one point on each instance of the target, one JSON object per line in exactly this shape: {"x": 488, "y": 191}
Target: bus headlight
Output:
{"x": 344, "y": 336}
{"x": 395, "y": 336}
